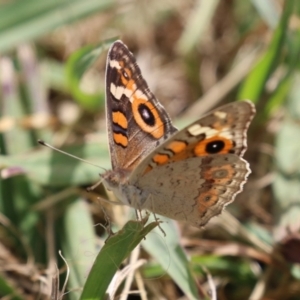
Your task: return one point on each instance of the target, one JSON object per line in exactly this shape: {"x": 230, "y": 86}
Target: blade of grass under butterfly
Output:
{"x": 116, "y": 249}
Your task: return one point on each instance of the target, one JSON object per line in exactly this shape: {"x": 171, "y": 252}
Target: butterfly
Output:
{"x": 190, "y": 174}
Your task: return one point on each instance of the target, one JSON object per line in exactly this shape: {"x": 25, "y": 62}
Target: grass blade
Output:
{"x": 116, "y": 249}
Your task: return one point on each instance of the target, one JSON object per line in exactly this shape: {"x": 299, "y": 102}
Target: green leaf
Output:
{"x": 116, "y": 249}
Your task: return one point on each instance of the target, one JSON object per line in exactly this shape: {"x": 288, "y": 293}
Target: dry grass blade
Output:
{"x": 222, "y": 88}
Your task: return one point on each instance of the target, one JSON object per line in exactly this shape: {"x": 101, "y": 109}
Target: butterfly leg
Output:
{"x": 159, "y": 222}
{"x": 150, "y": 199}
{"x": 110, "y": 201}
{"x": 107, "y": 227}
{"x": 138, "y": 214}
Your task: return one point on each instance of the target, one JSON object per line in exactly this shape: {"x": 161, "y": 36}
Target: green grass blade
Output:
{"x": 286, "y": 185}
{"x": 116, "y": 249}
{"x": 50, "y": 168}
{"x": 254, "y": 84}
{"x": 78, "y": 63}
{"x": 12, "y": 106}
{"x": 7, "y": 291}
{"x": 79, "y": 243}
{"x": 285, "y": 85}
{"x": 38, "y": 19}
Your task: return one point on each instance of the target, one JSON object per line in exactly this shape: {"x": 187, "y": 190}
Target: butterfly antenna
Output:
{"x": 68, "y": 154}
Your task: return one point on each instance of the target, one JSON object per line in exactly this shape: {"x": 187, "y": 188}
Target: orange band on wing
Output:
{"x": 160, "y": 159}
{"x": 120, "y": 139}
{"x": 176, "y": 146}
{"x": 120, "y": 119}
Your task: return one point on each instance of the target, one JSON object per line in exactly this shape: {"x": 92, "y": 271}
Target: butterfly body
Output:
{"x": 189, "y": 175}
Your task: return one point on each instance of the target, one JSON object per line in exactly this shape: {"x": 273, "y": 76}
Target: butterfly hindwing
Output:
{"x": 222, "y": 131}
{"x": 195, "y": 189}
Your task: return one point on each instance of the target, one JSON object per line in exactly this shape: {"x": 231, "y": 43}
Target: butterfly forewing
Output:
{"x": 136, "y": 121}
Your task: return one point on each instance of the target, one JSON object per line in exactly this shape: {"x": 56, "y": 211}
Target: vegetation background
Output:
{"x": 195, "y": 55}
